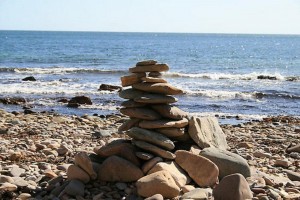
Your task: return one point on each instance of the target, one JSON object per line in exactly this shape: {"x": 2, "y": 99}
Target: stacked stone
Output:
{"x": 154, "y": 123}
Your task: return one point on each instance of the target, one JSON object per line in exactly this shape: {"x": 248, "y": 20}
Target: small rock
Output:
{"x": 155, "y": 197}
{"x": 8, "y": 187}
{"x": 74, "y": 188}
{"x": 282, "y": 163}
{"x": 75, "y": 172}
{"x": 109, "y": 87}
{"x": 24, "y": 196}
{"x": 16, "y": 171}
{"x": 197, "y": 194}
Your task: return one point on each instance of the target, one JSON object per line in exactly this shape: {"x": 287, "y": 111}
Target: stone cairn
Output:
{"x": 169, "y": 153}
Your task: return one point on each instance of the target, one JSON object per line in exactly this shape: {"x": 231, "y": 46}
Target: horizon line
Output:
{"x": 159, "y": 32}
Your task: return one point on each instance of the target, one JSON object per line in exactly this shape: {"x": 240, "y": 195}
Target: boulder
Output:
{"x": 140, "y": 113}
{"x": 81, "y": 100}
{"x": 75, "y": 188}
{"x": 116, "y": 168}
{"x": 131, "y": 79}
{"x": 163, "y": 123}
{"x": 146, "y": 63}
{"x": 227, "y": 162}
{"x": 150, "y": 164}
{"x": 151, "y": 137}
{"x": 149, "y": 68}
{"x": 171, "y": 132}
{"x": 84, "y": 162}
{"x": 157, "y": 183}
{"x": 179, "y": 175}
{"x": 206, "y": 132}
{"x": 232, "y": 187}
{"x": 75, "y": 172}
{"x": 203, "y": 171}
{"x": 13, "y": 100}
{"x": 109, "y": 87}
{"x": 132, "y": 104}
{"x": 29, "y": 78}
{"x": 153, "y": 80}
{"x": 155, "y": 98}
{"x": 130, "y": 93}
{"x": 128, "y": 124}
{"x": 161, "y": 88}
{"x": 169, "y": 111}
{"x": 154, "y": 149}
{"x": 121, "y": 149}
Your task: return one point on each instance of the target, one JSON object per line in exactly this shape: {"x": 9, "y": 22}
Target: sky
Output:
{"x": 190, "y": 16}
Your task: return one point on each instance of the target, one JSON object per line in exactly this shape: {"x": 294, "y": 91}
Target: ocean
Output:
{"x": 228, "y": 75}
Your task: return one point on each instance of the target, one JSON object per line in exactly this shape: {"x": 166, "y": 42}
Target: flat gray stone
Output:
{"x": 161, "y": 88}
{"x": 151, "y": 137}
{"x": 148, "y": 98}
{"x": 227, "y": 162}
{"x": 163, "y": 123}
{"x": 206, "y": 132}
{"x": 171, "y": 132}
{"x": 154, "y": 149}
{"x": 132, "y": 104}
{"x": 169, "y": 111}
{"x": 140, "y": 113}
{"x": 130, "y": 93}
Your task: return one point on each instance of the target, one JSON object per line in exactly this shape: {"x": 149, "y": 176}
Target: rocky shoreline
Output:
{"x": 152, "y": 150}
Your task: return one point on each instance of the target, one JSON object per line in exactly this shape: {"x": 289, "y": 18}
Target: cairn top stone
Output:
{"x": 149, "y": 68}
{"x": 146, "y": 62}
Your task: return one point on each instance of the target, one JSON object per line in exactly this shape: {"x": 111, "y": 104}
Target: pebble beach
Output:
{"x": 47, "y": 155}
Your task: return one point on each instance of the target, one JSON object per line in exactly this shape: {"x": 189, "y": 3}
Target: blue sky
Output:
{"x": 196, "y": 16}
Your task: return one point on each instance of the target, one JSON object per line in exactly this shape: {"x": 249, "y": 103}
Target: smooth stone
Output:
{"x": 8, "y": 187}
{"x": 155, "y": 99}
{"x": 75, "y": 172}
{"x": 171, "y": 132}
{"x": 151, "y": 137}
{"x": 157, "y": 183}
{"x": 163, "y": 123}
{"x": 169, "y": 111}
{"x": 144, "y": 155}
{"x": 85, "y": 163}
{"x": 282, "y": 163}
{"x": 161, "y": 88}
{"x": 132, "y": 79}
{"x": 260, "y": 154}
{"x": 232, "y": 187}
{"x": 130, "y": 93}
{"x": 149, "y": 68}
{"x": 155, "y": 74}
{"x": 196, "y": 194}
{"x": 132, "y": 104}
{"x": 75, "y": 188}
{"x": 118, "y": 169}
{"x": 150, "y": 164}
{"x": 293, "y": 176}
{"x": 146, "y": 63}
{"x": 206, "y": 132}
{"x": 16, "y": 171}
{"x": 20, "y": 182}
{"x": 187, "y": 188}
{"x": 155, "y": 197}
{"x": 179, "y": 175}
{"x": 295, "y": 148}
{"x": 24, "y": 196}
{"x": 154, "y": 149}
{"x": 203, "y": 171}
{"x": 153, "y": 80}
{"x": 140, "y": 113}
{"x": 4, "y": 179}
{"x": 128, "y": 124}
{"x": 227, "y": 162}
{"x": 121, "y": 149}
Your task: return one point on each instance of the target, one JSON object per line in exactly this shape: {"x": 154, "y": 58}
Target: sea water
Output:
{"x": 219, "y": 73}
